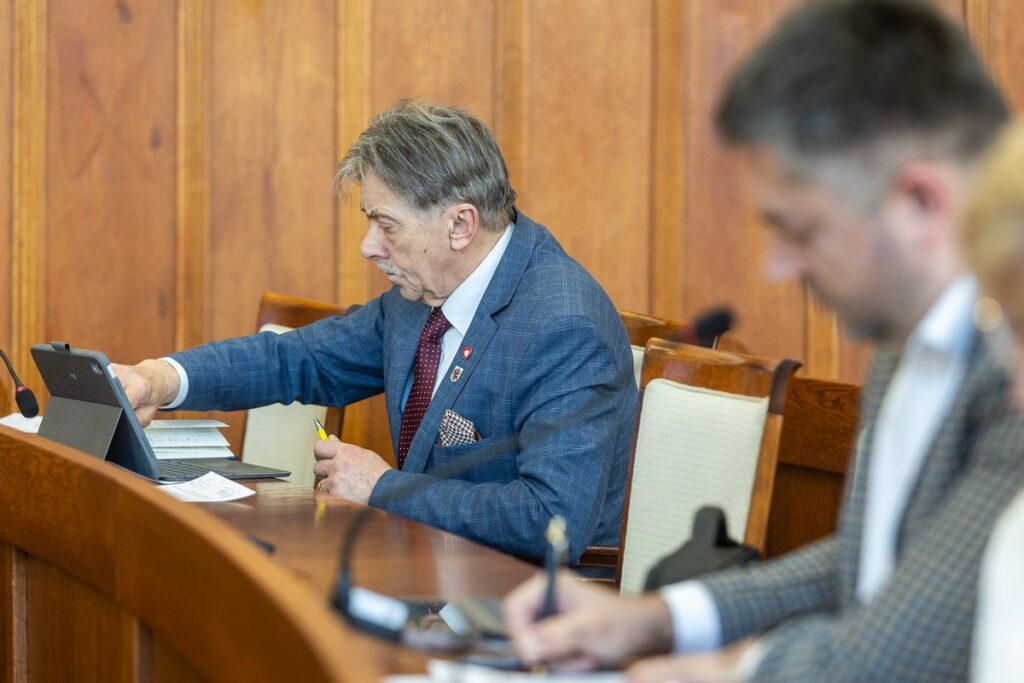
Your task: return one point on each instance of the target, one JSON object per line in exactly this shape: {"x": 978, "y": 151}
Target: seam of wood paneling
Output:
{"x": 28, "y": 198}
{"x": 668, "y": 158}
{"x": 192, "y": 177}
{"x": 352, "y": 87}
{"x": 978, "y": 18}
{"x": 353, "y": 105}
{"x": 510, "y": 53}
{"x": 821, "y": 354}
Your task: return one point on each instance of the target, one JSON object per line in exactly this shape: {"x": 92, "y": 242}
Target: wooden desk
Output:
{"x": 395, "y": 556}
{"x": 104, "y": 578}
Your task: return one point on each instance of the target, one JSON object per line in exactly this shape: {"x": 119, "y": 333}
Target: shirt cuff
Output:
{"x": 182, "y": 384}
{"x": 695, "y": 622}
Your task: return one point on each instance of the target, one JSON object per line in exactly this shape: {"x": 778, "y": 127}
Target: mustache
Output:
{"x": 388, "y": 267}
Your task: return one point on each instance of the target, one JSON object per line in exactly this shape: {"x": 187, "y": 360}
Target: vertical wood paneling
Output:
{"x": 66, "y": 613}
{"x": 724, "y": 239}
{"x": 28, "y": 180}
{"x": 6, "y": 106}
{"x": 111, "y": 176}
{"x": 167, "y": 162}
{"x": 509, "y": 85}
{"x": 192, "y": 177}
{"x": 272, "y": 127}
{"x": 437, "y": 49}
{"x": 588, "y": 108}
{"x": 995, "y": 26}
{"x": 668, "y": 178}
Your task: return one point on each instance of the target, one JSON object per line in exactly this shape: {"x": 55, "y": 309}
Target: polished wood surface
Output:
{"x": 395, "y": 556}
{"x": 106, "y": 579}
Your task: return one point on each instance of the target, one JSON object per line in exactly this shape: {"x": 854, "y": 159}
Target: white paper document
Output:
{"x": 186, "y": 424}
{"x": 186, "y": 453}
{"x": 209, "y": 488}
{"x": 185, "y": 438}
{"x": 22, "y": 423}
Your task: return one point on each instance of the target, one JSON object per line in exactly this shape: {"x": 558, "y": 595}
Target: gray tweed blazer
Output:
{"x": 918, "y": 626}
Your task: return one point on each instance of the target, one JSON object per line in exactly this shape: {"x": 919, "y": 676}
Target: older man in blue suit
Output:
{"x": 506, "y": 369}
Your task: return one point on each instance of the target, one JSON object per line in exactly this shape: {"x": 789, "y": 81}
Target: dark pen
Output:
{"x": 557, "y": 551}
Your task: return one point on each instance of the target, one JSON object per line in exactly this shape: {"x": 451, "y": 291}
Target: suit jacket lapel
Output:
{"x": 851, "y": 529}
{"x": 499, "y": 292}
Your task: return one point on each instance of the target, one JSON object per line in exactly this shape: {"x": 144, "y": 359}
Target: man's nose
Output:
{"x": 373, "y": 245}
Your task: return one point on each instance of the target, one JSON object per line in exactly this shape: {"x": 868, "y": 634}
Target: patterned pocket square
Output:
{"x": 456, "y": 430}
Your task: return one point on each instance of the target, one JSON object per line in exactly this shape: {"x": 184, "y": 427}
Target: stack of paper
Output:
{"x": 182, "y": 439}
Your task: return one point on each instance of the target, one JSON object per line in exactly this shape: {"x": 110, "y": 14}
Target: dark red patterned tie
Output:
{"x": 428, "y": 356}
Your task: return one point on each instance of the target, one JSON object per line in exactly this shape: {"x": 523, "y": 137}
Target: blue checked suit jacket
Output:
{"x": 918, "y": 626}
{"x": 549, "y": 386}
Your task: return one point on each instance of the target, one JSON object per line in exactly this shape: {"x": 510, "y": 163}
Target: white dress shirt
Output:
{"x": 921, "y": 393}
{"x": 999, "y": 633}
{"x": 459, "y": 308}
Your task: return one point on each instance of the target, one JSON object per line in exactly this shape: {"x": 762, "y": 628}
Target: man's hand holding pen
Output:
{"x": 346, "y": 470}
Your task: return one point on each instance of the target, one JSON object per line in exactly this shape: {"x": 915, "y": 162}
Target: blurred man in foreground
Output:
{"x": 860, "y": 122}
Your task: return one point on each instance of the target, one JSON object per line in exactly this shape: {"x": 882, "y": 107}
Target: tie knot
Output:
{"x": 436, "y": 326}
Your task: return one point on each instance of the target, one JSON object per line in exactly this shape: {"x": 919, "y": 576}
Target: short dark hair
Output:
{"x": 430, "y": 155}
{"x": 839, "y": 74}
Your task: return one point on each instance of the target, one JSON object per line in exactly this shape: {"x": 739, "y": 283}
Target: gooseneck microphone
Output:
{"x": 706, "y": 328}
{"x": 26, "y": 400}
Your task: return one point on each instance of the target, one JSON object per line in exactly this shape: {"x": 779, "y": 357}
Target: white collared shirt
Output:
{"x": 459, "y": 308}
{"x": 921, "y": 393}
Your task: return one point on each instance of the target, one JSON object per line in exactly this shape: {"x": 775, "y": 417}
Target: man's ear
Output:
{"x": 928, "y": 200}
{"x": 463, "y": 226}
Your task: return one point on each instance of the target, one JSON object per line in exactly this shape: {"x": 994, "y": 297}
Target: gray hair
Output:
{"x": 431, "y": 155}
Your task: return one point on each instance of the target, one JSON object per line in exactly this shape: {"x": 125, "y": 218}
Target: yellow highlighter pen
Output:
{"x": 320, "y": 429}
{"x": 321, "y": 506}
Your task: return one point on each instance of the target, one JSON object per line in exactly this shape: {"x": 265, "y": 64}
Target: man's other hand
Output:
{"x": 593, "y": 627}
{"x": 347, "y": 471}
{"x": 148, "y": 385}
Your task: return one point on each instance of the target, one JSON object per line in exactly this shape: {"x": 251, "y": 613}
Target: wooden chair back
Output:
{"x": 734, "y": 376}
{"x": 815, "y": 448}
{"x": 105, "y": 578}
{"x": 271, "y": 434}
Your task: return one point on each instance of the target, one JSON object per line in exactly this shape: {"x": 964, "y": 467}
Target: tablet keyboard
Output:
{"x": 182, "y": 470}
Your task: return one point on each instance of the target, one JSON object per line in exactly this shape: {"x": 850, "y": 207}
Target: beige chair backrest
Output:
{"x": 707, "y": 434}
{"x": 694, "y": 447}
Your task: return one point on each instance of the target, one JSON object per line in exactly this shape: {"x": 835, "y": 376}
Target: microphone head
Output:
{"x": 712, "y": 324}
{"x": 26, "y": 400}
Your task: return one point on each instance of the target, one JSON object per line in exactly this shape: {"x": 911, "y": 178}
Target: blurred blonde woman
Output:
{"x": 995, "y": 248}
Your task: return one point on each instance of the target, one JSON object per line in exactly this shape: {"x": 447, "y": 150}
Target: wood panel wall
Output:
{"x": 164, "y": 162}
